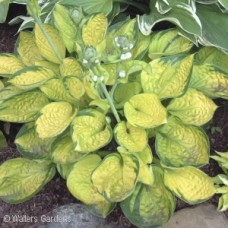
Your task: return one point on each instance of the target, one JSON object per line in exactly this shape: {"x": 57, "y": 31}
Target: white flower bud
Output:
{"x": 126, "y": 55}
{"x": 122, "y": 74}
{"x": 95, "y": 78}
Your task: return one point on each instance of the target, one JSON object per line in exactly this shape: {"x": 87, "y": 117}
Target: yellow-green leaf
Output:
{"x": 168, "y": 42}
{"x": 56, "y": 91}
{"x": 64, "y": 170}
{"x": 90, "y": 131}
{"x": 30, "y": 145}
{"x": 23, "y": 107}
{"x": 169, "y": 76}
{"x": 54, "y": 119}
{"x": 178, "y": 144}
{"x": 132, "y": 138}
{"x": 116, "y": 176}
{"x": 149, "y": 206}
{"x": 145, "y": 110}
{"x": 21, "y": 178}
{"x": 3, "y": 143}
{"x": 49, "y": 65}
{"x": 9, "y": 91}
{"x": 80, "y": 185}
{"x": 70, "y": 67}
{"x": 124, "y": 91}
{"x": 43, "y": 45}
{"x": 9, "y": 64}
{"x": 74, "y": 86}
{"x": 192, "y": 108}
{"x": 31, "y": 77}
{"x": 27, "y": 49}
{"x": 94, "y": 31}
{"x": 189, "y": 184}
{"x": 210, "y": 80}
{"x": 65, "y": 25}
{"x": 63, "y": 151}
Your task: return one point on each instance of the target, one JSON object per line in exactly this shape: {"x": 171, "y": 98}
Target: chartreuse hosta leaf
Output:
{"x": 150, "y": 206}
{"x": 80, "y": 185}
{"x": 3, "y": 143}
{"x": 9, "y": 91}
{"x": 134, "y": 139}
{"x": 49, "y": 65}
{"x": 63, "y": 151}
{"x": 178, "y": 144}
{"x": 21, "y": 178}
{"x": 168, "y": 42}
{"x": 31, "y": 77}
{"x": 74, "y": 86}
{"x": 189, "y": 184}
{"x": 55, "y": 90}
{"x": 43, "y": 45}
{"x": 210, "y": 80}
{"x": 169, "y": 76}
{"x": 93, "y": 32}
{"x": 54, "y": 119}
{"x": 192, "y": 108}
{"x": 145, "y": 110}
{"x": 212, "y": 56}
{"x": 116, "y": 176}
{"x": 64, "y": 169}
{"x": 30, "y": 145}
{"x": 145, "y": 158}
{"x": 9, "y": 64}
{"x": 27, "y": 49}
{"x": 23, "y": 107}
{"x": 124, "y": 91}
{"x": 90, "y": 131}
{"x": 70, "y": 67}
{"x": 65, "y": 25}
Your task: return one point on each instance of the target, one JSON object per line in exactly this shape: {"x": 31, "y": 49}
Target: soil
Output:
{"x": 55, "y": 193}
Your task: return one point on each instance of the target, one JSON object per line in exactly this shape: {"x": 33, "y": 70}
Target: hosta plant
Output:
{"x": 91, "y": 96}
{"x": 221, "y": 180}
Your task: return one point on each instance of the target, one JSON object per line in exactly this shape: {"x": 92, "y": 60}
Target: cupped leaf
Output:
{"x": 210, "y": 80}
{"x": 132, "y": 138}
{"x": 54, "y": 119}
{"x": 65, "y": 25}
{"x": 192, "y": 108}
{"x": 168, "y": 42}
{"x": 80, "y": 185}
{"x": 30, "y": 145}
{"x": 31, "y": 77}
{"x": 90, "y": 131}
{"x": 145, "y": 170}
{"x": 27, "y": 49}
{"x": 70, "y": 67}
{"x": 116, "y": 176}
{"x": 23, "y": 107}
{"x": 149, "y": 206}
{"x": 21, "y": 178}
{"x": 74, "y": 86}
{"x": 178, "y": 144}
{"x": 145, "y": 110}
{"x": 9, "y": 64}
{"x": 63, "y": 151}
{"x": 189, "y": 184}
{"x": 56, "y": 91}
{"x": 94, "y": 31}
{"x": 124, "y": 91}
{"x": 43, "y": 45}
{"x": 169, "y": 76}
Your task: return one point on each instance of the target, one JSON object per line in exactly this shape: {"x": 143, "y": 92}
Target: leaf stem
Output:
{"x": 105, "y": 91}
